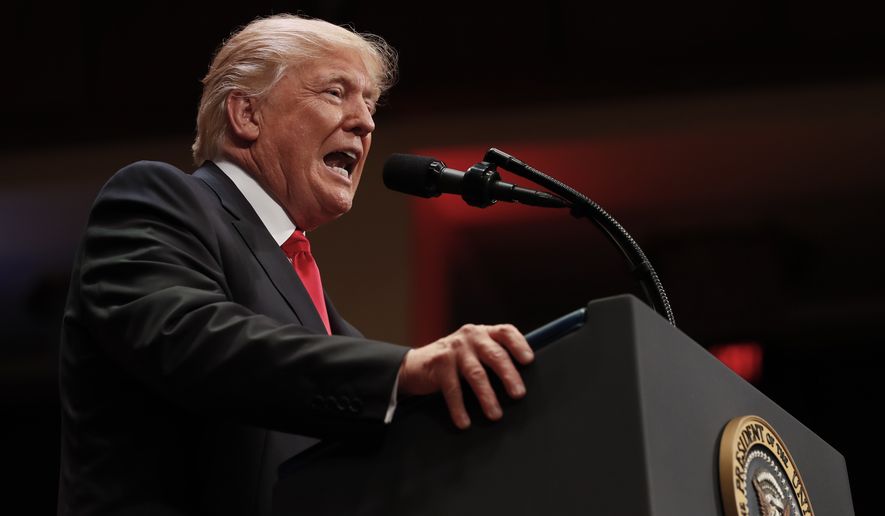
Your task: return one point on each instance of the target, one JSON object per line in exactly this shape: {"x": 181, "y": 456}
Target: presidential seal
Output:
{"x": 757, "y": 474}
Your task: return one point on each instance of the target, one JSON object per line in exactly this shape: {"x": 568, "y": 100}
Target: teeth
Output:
{"x": 340, "y": 170}
{"x": 341, "y": 161}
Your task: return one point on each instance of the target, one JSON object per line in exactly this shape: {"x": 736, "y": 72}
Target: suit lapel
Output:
{"x": 263, "y": 247}
{"x": 337, "y": 323}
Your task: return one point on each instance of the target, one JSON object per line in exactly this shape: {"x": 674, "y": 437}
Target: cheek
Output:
{"x": 358, "y": 173}
{"x": 356, "y": 176}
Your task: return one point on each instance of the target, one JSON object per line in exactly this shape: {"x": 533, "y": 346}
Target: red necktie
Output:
{"x": 297, "y": 248}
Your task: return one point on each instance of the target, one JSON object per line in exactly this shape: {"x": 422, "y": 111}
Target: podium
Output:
{"x": 622, "y": 416}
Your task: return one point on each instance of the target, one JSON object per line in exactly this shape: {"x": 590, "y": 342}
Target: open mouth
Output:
{"x": 341, "y": 162}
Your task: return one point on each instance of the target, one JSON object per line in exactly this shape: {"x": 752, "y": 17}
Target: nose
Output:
{"x": 359, "y": 119}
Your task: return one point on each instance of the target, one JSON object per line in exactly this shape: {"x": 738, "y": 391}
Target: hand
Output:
{"x": 439, "y": 365}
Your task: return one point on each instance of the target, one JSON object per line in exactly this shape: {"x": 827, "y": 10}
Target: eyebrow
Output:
{"x": 351, "y": 82}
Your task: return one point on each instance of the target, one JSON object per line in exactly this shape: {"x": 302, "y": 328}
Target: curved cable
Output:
{"x": 583, "y": 206}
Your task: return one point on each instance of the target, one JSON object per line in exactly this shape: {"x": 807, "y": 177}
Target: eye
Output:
{"x": 335, "y": 92}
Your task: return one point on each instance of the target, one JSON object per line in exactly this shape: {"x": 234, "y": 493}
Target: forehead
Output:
{"x": 346, "y": 66}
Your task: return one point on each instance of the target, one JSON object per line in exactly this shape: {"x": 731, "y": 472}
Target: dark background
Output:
{"x": 78, "y": 75}
{"x": 78, "y": 71}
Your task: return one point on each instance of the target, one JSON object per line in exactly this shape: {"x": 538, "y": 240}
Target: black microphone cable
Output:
{"x": 583, "y": 206}
{"x": 481, "y": 186}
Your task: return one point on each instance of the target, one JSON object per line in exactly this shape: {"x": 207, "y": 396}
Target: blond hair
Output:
{"x": 253, "y": 59}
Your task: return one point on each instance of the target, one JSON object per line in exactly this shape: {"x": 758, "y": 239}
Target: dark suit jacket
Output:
{"x": 190, "y": 351}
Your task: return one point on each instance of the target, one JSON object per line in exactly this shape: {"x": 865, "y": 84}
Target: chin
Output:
{"x": 341, "y": 211}
{"x": 328, "y": 215}
{"x": 341, "y": 205}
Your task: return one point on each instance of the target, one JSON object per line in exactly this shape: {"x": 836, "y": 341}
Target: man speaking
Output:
{"x": 198, "y": 346}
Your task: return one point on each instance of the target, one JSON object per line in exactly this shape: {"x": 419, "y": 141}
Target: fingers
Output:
{"x": 494, "y": 356}
{"x": 435, "y": 368}
{"x": 439, "y": 367}
{"x": 508, "y": 336}
{"x": 492, "y": 351}
{"x": 478, "y": 345}
{"x": 475, "y": 374}
{"x": 451, "y": 391}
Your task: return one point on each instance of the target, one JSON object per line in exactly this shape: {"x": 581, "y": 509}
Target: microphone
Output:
{"x": 480, "y": 186}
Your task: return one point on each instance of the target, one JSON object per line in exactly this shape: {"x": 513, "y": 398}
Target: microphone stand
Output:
{"x": 582, "y": 207}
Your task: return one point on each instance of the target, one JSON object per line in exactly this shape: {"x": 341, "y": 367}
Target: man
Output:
{"x": 193, "y": 348}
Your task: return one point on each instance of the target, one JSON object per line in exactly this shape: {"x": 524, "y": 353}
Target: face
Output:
{"x": 314, "y": 133}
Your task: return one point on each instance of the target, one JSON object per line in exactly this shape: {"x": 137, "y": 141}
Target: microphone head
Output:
{"x": 413, "y": 175}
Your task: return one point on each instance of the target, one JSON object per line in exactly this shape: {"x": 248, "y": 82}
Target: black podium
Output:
{"x": 623, "y": 416}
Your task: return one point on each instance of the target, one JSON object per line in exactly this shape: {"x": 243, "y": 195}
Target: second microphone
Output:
{"x": 480, "y": 186}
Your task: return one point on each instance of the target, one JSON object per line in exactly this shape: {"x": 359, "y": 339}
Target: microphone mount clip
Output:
{"x": 478, "y": 182}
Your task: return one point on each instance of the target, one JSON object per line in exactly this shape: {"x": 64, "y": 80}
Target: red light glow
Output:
{"x": 744, "y": 358}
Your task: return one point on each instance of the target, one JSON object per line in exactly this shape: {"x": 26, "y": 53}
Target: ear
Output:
{"x": 242, "y": 116}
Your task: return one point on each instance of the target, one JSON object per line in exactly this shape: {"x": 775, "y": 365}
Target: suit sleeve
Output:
{"x": 153, "y": 295}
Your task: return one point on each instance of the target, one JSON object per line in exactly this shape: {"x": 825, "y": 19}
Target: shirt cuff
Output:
{"x": 391, "y": 407}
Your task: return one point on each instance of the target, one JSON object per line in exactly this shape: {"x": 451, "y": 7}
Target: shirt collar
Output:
{"x": 272, "y": 215}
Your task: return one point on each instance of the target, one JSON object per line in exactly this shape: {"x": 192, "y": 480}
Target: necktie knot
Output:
{"x": 297, "y": 243}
